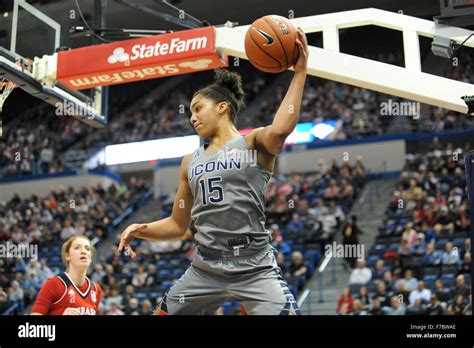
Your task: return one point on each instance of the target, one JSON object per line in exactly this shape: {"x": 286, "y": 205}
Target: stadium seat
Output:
{"x": 441, "y": 244}
{"x": 449, "y": 269}
{"x": 314, "y": 255}
{"x": 141, "y": 297}
{"x": 431, "y": 271}
{"x": 448, "y": 280}
{"x": 429, "y": 281}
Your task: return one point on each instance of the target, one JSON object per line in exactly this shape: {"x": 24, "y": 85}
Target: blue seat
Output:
{"x": 164, "y": 273}
{"x": 371, "y": 260}
{"x": 448, "y": 280}
{"x": 354, "y": 288}
{"x": 177, "y": 273}
{"x": 429, "y": 281}
{"x": 393, "y": 247}
{"x": 314, "y": 254}
{"x": 156, "y": 295}
{"x": 379, "y": 249}
{"x": 459, "y": 243}
{"x": 141, "y": 296}
{"x": 467, "y": 279}
{"x": 441, "y": 244}
{"x": 167, "y": 283}
{"x": 449, "y": 269}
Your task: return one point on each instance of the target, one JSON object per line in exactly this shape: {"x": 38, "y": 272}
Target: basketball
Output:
{"x": 270, "y": 44}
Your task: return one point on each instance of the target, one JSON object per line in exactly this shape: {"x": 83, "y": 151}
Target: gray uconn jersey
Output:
{"x": 228, "y": 189}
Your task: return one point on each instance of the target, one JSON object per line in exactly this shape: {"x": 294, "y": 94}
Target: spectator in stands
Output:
{"x": 461, "y": 288}
{"x": 409, "y": 235}
{"x": 281, "y": 246}
{"x": 451, "y": 255}
{"x": 151, "y": 275}
{"x": 129, "y": 294}
{"x": 397, "y": 307}
{"x": 281, "y": 263}
{"x": 420, "y": 293}
{"x": 457, "y": 307}
{"x": 435, "y": 306}
{"x": 388, "y": 280}
{"x": 147, "y": 307}
{"x": 420, "y": 247}
{"x": 465, "y": 266}
{"x": 417, "y": 308}
{"x": 358, "y": 308}
{"x": 43, "y": 272}
{"x": 442, "y": 293}
{"x": 379, "y": 270}
{"x": 350, "y": 235}
{"x": 381, "y": 293}
{"x": 115, "y": 309}
{"x": 67, "y": 231}
{"x": 132, "y": 307}
{"x": 364, "y": 298}
{"x": 432, "y": 256}
{"x": 98, "y": 273}
{"x": 468, "y": 308}
{"x": 139, "y": 279}
{"x": 361, "y": 274}
{"x": 410, "y": 282}
{"x": 345, "y": 302}
{"x": 4, "y": 305}
{"x": 297, "y": 270}
{"x": 16, "y": 295}
{"x": 114, "y": 298}
{"x": 376, "y": 307}
{"x": 445, "y": 221}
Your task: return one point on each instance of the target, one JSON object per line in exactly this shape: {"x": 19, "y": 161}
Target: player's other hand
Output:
{"x": 127, "y": 236}
{"x": 72, "y": 311}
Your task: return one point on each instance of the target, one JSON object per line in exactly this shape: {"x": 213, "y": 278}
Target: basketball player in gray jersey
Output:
{"x": 222, "y": 188}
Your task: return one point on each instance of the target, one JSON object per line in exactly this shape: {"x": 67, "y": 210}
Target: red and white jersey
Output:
{"x": 60, "y": 292}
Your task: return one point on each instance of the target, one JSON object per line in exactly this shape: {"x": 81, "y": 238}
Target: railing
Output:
{"x": 10, "y": 310}
{"x": 321, "y": 269}
{"x": 306, "y": 295}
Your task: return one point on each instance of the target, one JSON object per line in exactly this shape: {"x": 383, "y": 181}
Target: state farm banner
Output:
{"x": 158, "y": 56}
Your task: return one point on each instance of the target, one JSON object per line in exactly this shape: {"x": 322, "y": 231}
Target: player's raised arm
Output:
{"x": 273, "y": 137}
{"x": 172, "y": 227}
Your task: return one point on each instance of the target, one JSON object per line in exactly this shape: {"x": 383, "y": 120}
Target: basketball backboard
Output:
{"x": 27, "y": 32}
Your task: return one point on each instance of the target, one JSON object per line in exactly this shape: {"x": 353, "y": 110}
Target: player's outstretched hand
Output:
{"x": 72, "y": 311}
{"x": 127, "y": 236}
{"x": 301, "y": 64}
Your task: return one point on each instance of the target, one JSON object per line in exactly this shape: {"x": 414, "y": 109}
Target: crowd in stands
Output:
{"x": 421, "y": 260}
{"x": 435, "y": 119}
{"x": 44, "y": 222}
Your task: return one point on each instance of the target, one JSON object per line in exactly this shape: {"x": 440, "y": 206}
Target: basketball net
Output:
{"x": 6, "y": 87}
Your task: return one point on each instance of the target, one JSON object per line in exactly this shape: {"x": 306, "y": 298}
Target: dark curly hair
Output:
{"x": 227, "y": 86}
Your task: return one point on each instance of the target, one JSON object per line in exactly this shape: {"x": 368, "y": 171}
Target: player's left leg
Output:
{"x": 265, "y": 292}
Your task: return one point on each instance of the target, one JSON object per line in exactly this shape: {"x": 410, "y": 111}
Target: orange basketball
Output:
{"x": 270, "y": 44}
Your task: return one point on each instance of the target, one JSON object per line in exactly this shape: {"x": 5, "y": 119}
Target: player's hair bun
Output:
{"x": 232, "y": 81}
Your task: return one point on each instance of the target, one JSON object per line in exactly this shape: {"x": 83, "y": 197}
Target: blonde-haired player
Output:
{"x": 71, "y": 292}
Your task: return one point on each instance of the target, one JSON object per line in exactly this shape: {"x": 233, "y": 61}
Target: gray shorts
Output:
{"x": 253, "y": 278}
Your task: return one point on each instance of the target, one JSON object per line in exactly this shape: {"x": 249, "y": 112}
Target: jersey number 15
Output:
{"x": 212, "y": 192}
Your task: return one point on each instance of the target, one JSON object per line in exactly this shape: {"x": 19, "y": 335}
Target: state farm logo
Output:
{"x": 197, "y": 64}
{"x": 119, "y": 55}
{"x": 144, "y": 51}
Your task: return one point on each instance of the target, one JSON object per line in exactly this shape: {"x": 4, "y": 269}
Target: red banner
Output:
{"x": 153, "y": 57}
